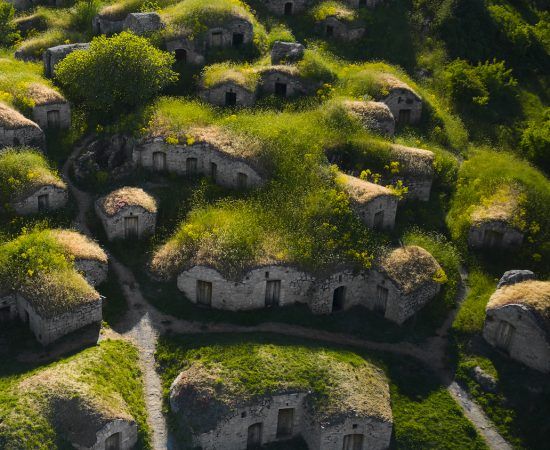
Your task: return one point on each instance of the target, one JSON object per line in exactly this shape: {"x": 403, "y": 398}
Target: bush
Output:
{"x": 535, "y": 141}
{"x": 116, "y": 74}
{"x": 8, "y": 31}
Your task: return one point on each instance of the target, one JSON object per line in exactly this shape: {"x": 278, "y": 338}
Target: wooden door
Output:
{"x": 378, "y": 223}
{"x": 217, "y": 40}
{"x": 505, "y": 333}
{"x": 381, "y": 301}
{"x": 53, "y": 118}
{"x": 131, "y": 227}
{"x": 285, "y": 422}
{"x": 404, "y": 116}
{"x": 353, "y": 442}
{"x": 191, "y": 166}
{"x": 492, "y": 238}
{"x": 242, "y": 180}
{"x": 204, "y": 293}
{"x": 159, "y": 161}
{"x": 254, "y": 440}
{"x": 43, "y": 202}
{"x": 272, "y": 292}
{"x": 113, "y": 442}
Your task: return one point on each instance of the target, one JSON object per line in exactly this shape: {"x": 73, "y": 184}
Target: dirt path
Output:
{"x": 143, "y": 324}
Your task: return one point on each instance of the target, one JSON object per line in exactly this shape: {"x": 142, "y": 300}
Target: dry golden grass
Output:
{"x": 44, "y": 95}
{"x": 415, "y": 161}
{"x": 361, "y": 191}
{"x": 368, "y": 110}
{"x": 532, "y": 293}
{"x": 11, "y": 119}
{"x": 390, "y": 82}
{"x": 112, "y": 203}
{"x": 79, "y": 246}
{"x": 226, "y": 141}
{"x": 503, "y": 205}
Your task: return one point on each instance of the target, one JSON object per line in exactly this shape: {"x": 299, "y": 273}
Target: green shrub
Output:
{"x": 279, "y": 33}
{"x": 8, "y": 31}
{"x": 535, "y": 141}
{"x": 99, "y": 77}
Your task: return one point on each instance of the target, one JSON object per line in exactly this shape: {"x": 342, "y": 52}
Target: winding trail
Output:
{"x": 143, "y": 324}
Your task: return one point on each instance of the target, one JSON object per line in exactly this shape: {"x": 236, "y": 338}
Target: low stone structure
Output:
{"x": 374, "y": 116}
{"x": 334, "y": 27}
{"x": 235, "y": 32}
{"x": 517, "y": 322}
{"x": 17, "y": 130}
{"x": 127, "y": 213}
{"x": 284, "y": 81}
{"x": 286, "y": 7}
{"x": 403, "y": 282}
{"x": 185, "y": 50}
{"x": 230, "y": 160}
{"x": 494, "y": 223}
{"x": 376, "y": 205}
{"x": 51, "y": 110}
{"x": 404, "y": 103}
{"x": 224, "y": 415}
{"x": 286, "y": 53}
{"x": 142, "y": 23}
{"x": 228, "y": 93}
{"x": 54, "y": 55}
{"x": 48, "y": 194}
{"x": 108, "y": 24}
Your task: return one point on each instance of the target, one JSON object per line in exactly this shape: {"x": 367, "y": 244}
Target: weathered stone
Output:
{"x": 107, "y": 25}
{"x": 286, "y": 52}
{"x": 335, "y": 28}
{"x": 487, "y": 382}
{"x": 143, "y": 23}
{"x": 286, "y": 7}
{"x": 494, "y": 234}
{"x": 515, "y": 276}
{"x": 45, "y": 198}
{"x": 54, "y": 55}
{"x": 220, "y": 93}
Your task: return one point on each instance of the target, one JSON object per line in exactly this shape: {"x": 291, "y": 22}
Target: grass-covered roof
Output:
{"x": 504, "y": 206}
{"x": 217, "y": 380}
{"x": 22, "y": 171}
{"x": 216, "y": 74}
{"x": 335, "y": 9}
{"x": 361, "y": 191}
{"x": 124, "y": 197}
{"x": 11, "y": 119}
{"x": 79, "y": 246}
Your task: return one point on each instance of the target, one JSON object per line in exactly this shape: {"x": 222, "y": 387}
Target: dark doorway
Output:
{"x": 492, "y": 238}
{"x": 353, "y": 442}
{"x": 288, "y": 8}
{"x": 204, "y": 293}
{"x": 362, "y": 3}
{"x": 285, "y": 422}
{"x": 338, "y": 299}
{"x": 381, "y": 300}
{"x": 404, "y": 116}
{"x": 238, "y": 39}
{"x": 53, "y": 118}
{"x": 191, "y": 166}
{"x": 330, "y": 31}
{"x": 217, "y": 39}
{"x": 280, "y": 89}
{"x": 213, "y": 171}
{"x": 378, "y": 223}
{"x": 242, "y": 180}
{"x": 181, "y": 55}
{"x": 254, "y": 440}
{"x": 113, "y": 442}
{"x": 43, "y": 202}
{"x": 272, "y": 293}
{"x": 230, "y": 99}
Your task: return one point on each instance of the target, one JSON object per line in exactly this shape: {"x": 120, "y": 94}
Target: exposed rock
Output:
{"x": 286, "y": 52}
{"x": 515, "y": 276}
{"x": 487, "y": 382}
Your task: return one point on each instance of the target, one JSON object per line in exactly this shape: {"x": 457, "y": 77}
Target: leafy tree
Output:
{"x": 8, "y": 32}
{"x": 115, "y": 75}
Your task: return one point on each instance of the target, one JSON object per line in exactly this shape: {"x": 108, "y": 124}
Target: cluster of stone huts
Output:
{"x": 517, "y": 320}
{"x": 397, "y": 287}
{"x": 215, "y": 415}
{"x": 56, "y": 304}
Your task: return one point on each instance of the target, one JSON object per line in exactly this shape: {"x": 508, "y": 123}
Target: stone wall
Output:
{"x": 94, "y": 271}
{"x": 510, "y": 236}
{"x": 363, "y": 3}
{"x": 143, "y": 23}
{"x": 31, "y": 136}
{"x": 367, "y": 211}
{"x": 529, "y": 344}
{"x": 104, "y": 25}
{"x": 223, "y": 36}
{"x": 217, "y": 95}
{"x": 57, "y": 198}
{"x": 322, "y": 299}
{"x": 40, "y": 114}
{"x": 54, "y": 55}
{"x": 114, "y": 225}
{"x": 404, "y": 99}
{"x": 192, "y": 55}
{"x": 341, "y": 30}
{"x": 49, "y": 330}
{"x": 8, "y": 301}
{"x": 294, "y": 85}
{"x": 128, "y": 435}
{"x": 279, "y": 6}
{"x": 227, "y": 167}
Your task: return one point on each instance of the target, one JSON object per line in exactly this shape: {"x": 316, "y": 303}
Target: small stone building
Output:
{"x": 51, "y": 110}
{"x": 142, "y": 23}
{"x": 108, "y": 24}
{"x": 341, "y": 28}
{"x": 363, "y": 3}
{"x": 17, "y": 130}
{"x": 185, "y": 50}
{"x": 493, "y": 224}
{"x": 228, "y": 92}
{"x": 374, "y": 116}
{"x": 286, "y": 7}
{"x": 44, "y": 193}
{"x": 236, "y": 31}
{"x": 286, "y": 53}
{"x": 402, "y": 283}
{"x": 54, "y": 55}
{"x": 404, "y": 103}
{"x": 517, "y": 322}
{"x": 376, "y": 205}
{"x": 284, "y": 81}
{"x": 89, "y": 258}
{"x": 127, "y": 213}
{"x": 217, "y": 415}
{"x": 228, "y": 159}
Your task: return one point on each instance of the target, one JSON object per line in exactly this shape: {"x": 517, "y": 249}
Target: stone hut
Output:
{"x": 284, "y": 81}
{"x": 229, "y": 86}
{"x": 404, "y": 103}
{"x": 286, "y": 7}
{"x": 363, "y": 3}
{"x": 228, "y": 159}
{"x": 219, "y": 412}
{"x": 494, "y": 224}
{"x": 17, "y": 130}
{"x": 416, "y": 170}
{"x": 342, "y": 26}
{"x": 127, "y": 213}
{"x": 54, "y": 55}
{"x": 46, "y": 192}
{"x": 108, "y": 23}
{"x": 517, "y": 322}
{"x": 51, "y": 109}
{"x": 374, "y": 116}
{"x": 234, "y": 32}
{"x": 54, "y": 305}
{"x": 403, "y": 282}
{"x": 185, "y": 50}
{"x": 286, "y": 53}
{"x": 376, "y": 205}
{"x": 89, "y": 258}
{"x": 142, "y": 23}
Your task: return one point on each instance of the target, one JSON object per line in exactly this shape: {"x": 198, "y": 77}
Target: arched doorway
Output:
{"x": 338, "y": 298}
{"x": 181, "y": 55}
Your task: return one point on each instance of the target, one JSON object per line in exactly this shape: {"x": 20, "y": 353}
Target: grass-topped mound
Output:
{"x": 216, "y": 74}
{"x": 22, "y": 171}
{"x": 338, "y": 10}
{"x": 216, "y": 380}
{"x": 67, "y": 403}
